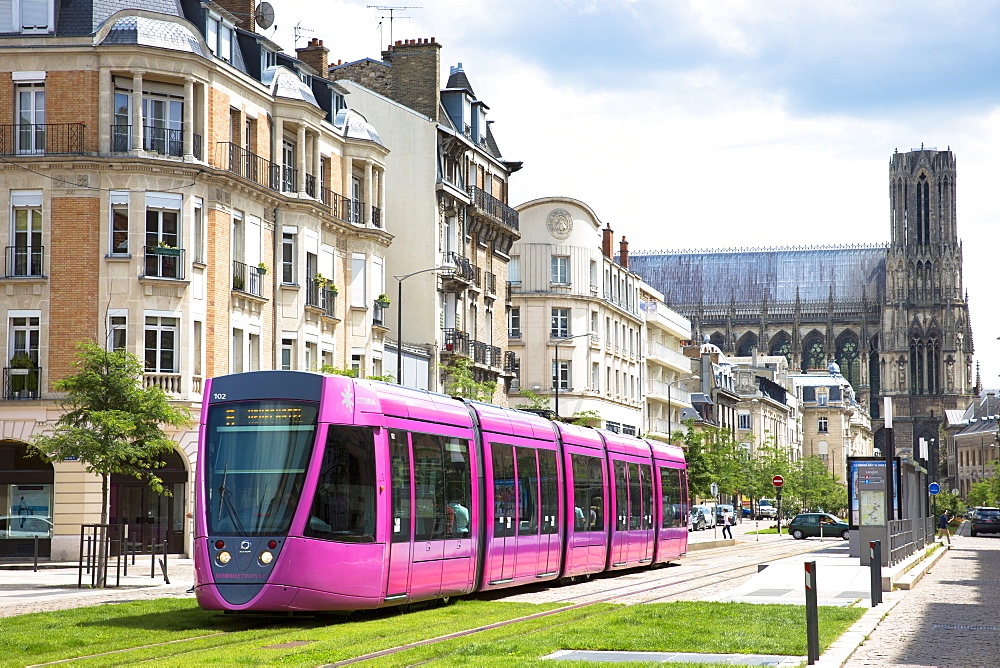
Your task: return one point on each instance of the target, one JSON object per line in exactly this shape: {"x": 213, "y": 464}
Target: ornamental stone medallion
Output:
{"x": 560, "y": 223}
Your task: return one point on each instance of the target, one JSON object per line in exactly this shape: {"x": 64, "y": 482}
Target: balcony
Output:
{"x": 163, "y": 262}
{"x": 168, "y": 382}
{"x": 25, "y": 261}
{"x": 488, "y": 204}
{"x": 42, "y": 139}
{"x": 464, "y": 274}
{"x": 456, "y": 342}
{"x": 311, "y": 185}
{"x": 250, "y": 166}
{"x": 669, "y": 357}
{"x": 509, "y": 361}
{"x": 319, "y": 296}
{"x": 289, "y": 179}
{"x": 21, "y": 383}
{"x": 160, "y": 140}
{"x": 248, "y": 279}
{"x": 377, "y": 217}
{"x": 378, "y": 313}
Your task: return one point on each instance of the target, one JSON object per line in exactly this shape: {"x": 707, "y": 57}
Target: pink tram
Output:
{"x": 332, "y": 493}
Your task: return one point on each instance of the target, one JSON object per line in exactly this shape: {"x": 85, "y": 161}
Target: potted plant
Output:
{"x": 382, "y": 301}
{"x": 238, "y": 282}
{"x": 23, "y": 376}
{"x": 320, "y": 281}
{"x": 261, "y": 268}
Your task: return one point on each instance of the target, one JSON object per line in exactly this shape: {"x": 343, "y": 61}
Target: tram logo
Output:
{"x": 245, "y": 545}
{"x": 347, "y": 398}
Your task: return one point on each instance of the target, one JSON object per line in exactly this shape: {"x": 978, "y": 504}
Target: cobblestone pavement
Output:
{"x": 951, "y": 618}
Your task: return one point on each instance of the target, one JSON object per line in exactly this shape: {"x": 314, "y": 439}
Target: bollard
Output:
{"x": 812, "y": 614}
{"x": 875, "y": 563}
{"x": 152, "y": 554}
{"x": 36, "y": 554}
{"x": 166, "y": 579}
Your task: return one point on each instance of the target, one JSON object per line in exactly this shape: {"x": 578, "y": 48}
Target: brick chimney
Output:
{"x": 242, "y": 10}
{"x": 623, "y": 253}
{"x": 416, "y": 74}
{"x": 608, "y": 240}
{"x": 315, "y": 55}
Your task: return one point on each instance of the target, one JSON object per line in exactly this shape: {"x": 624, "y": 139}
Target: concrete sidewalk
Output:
{"x": 54, "y": 586}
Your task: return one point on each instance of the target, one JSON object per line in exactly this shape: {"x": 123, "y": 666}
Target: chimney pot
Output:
{"x": 607, "y": 240}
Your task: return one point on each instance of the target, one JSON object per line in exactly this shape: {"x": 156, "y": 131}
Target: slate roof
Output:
{"x": 151, "y": 32}
{"x": 76, "y": 18}
{"x": 748, "y": 276}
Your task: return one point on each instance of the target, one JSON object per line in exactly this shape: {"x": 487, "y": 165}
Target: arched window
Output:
{"x": 848, "y": 358}
{"x": 718, "y": 340}
{"x": 746, "y": 345}
{"x": 782, "y": 345}
{"x": 813, "y": 356}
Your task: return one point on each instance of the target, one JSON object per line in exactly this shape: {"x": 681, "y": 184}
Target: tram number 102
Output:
{"x": 218, "y": 395}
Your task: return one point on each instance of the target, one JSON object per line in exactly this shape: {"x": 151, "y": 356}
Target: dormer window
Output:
{"x": 25, "y": 16}
{"x": 219, "y": 35}
{"x": 268, "y": 59}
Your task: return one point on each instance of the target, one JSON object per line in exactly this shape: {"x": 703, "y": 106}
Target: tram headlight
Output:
{"x": 266, "y": 557}
{"x": 223, "y": 557}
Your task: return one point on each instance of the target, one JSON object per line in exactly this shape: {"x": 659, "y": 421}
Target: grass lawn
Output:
{"x": 214, "y": 639}
{"x": 771, "y": 530}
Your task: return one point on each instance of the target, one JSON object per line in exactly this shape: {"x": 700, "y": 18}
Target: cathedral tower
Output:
{"x": 925, "y": 360}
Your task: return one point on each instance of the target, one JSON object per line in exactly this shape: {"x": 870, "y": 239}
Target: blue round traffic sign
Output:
{"x": 933, "y": 488}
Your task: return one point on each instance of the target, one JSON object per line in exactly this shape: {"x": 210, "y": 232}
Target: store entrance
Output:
{"x": 152, "y": 518}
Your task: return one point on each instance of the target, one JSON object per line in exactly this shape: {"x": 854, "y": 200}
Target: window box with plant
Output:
{"x": 261, "y": 268}
{"x": 163, "y": 249}
{"x": 382, "y": 301}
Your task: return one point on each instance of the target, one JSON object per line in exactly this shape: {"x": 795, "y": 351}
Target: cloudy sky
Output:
{"x": 718, "y": 123}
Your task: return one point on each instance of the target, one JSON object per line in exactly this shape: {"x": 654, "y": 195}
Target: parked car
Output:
{"x": 805, "y": 525}
{"x": 723, "y": 507}
{"x": 708, "y": 512}
{"x": 25, "y": 526}
{"x": 767, "y": 509}
{"x": 985, "y": 520}
{"x": 696, "y": 519}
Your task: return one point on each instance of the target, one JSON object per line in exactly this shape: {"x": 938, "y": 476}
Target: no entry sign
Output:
{"x": 778, "y": 481}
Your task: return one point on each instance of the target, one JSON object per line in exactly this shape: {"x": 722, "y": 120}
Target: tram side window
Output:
{"x": 621, "y": 495}
{"x": 646, "y": 476}
{"x": 503, "y": 490}
{"x": 429, "y": 487}
{"x": 635, "y": 497}
{"x": 458, "y": 487}
{"x": 670, "y": 488}
{"x": 581, "y": 493}
{"x": 344, "y": 505}
{"x": 399, "y": 452}
{"x": 527, "y": 492}
{"x": 549, "y": 483}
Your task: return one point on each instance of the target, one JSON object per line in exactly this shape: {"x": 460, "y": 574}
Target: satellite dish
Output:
{"x": 264, "y": 15}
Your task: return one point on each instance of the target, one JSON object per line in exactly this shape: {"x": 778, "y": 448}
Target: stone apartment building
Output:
{"x": 450, "y": 186}
{"x": 178, "y": 188}
{"x": 973, "y": 442}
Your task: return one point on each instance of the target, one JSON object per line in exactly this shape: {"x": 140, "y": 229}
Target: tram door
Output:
{"x": 504, "y": 544}
{"x": 151, "y": 517}
{"x": 401, "y": 530}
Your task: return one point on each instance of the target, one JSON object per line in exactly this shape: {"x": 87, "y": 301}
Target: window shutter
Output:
{"x": 34, "y": 14}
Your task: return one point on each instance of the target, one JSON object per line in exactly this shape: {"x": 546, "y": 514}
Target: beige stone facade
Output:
{"x": 150, "y": 187}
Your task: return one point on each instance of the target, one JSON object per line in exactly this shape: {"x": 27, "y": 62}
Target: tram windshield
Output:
{"x": 256, "y": 459}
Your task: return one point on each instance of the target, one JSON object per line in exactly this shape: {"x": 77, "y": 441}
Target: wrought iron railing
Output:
{"x": 494, "y": 208}
{"x": 25, "y": 261}
{"x": 311, "y": 185}
{"x": 248, "y": 279}
{"x": 463, "y": 267}
{"x": 509, "y": 361}
{"x": 480, "y": 352}
{"x": 42, "y": 139}
{"x": 242, "y": 162}
{"x": 21, "y": 383}
{"x": 456, "y": 342}
{"x": 378, "y": 312}
{"x": 357, "y": 212}
{"x": 163, "y": 262}
{"x": 329, "y": 304}
{"x": 289, "y": 179}
{"x": 376, "y": 216}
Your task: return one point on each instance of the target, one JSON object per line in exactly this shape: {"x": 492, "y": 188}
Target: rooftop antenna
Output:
{"x": 298, "y": 29}
{"x": 392, "y": 9}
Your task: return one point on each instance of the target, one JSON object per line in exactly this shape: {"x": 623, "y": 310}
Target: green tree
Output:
{"x": 585, "y": 418}
{"x": 534, "y": 402}
{"x": 461, "y": 382}
{"x": 111, "y": 423}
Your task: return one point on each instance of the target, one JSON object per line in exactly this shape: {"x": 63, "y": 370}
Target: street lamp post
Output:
{"x": 399, "y": 314}
{"x": 558, "y": 379}
{"x": 670, "y": 409}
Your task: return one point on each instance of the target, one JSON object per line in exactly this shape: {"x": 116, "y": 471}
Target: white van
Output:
{"x": 707, "y": 511}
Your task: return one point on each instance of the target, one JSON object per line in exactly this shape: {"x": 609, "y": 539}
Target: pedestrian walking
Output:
{"x": 727, "y": 523}
{"x": 943, "y": 526}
